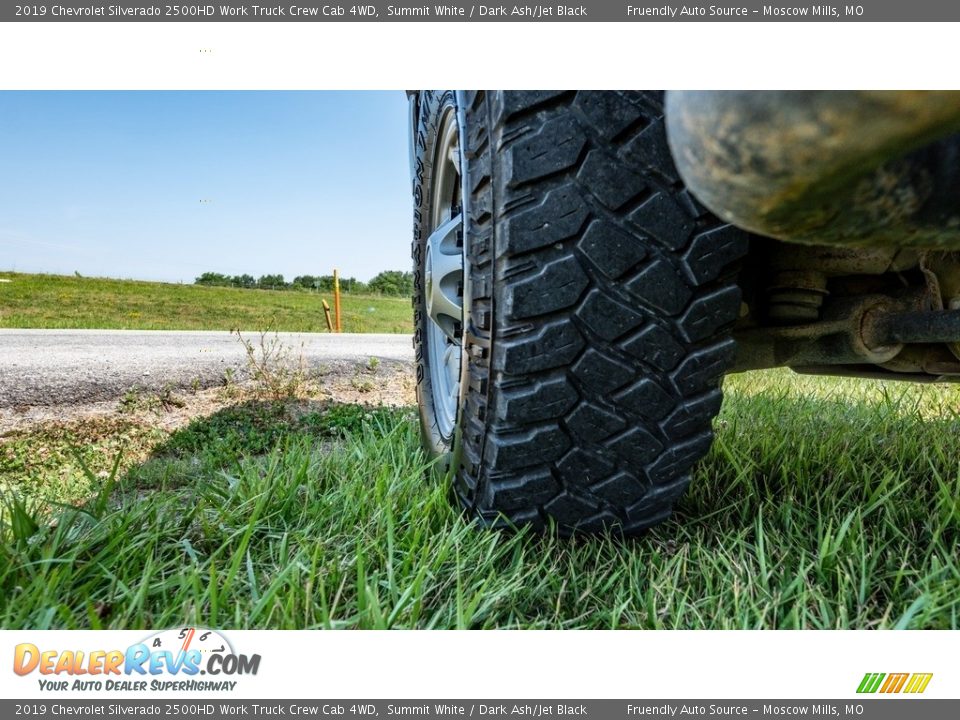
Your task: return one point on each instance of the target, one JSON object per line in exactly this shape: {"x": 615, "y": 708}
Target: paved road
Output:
{"x": 56, "y": 367}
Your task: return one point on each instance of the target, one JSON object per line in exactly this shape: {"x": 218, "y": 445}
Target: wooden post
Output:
{"x": 326, "y": 315}
{"x": 336, "y": 299}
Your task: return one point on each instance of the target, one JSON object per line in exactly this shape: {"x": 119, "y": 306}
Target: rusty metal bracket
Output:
{"x": 843, "y": 337}
{"x": 921, "y": 326}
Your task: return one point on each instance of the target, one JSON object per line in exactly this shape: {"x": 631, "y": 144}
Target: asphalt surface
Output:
{"x": 58, "y": 367}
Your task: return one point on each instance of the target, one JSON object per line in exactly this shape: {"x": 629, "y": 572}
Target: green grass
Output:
{"x": 823, "y": 504}
{"x": 56, "y": 301}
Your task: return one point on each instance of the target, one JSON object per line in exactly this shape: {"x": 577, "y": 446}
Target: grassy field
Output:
{"x": 823, "y": 504}
{"x": 57, "y": 301}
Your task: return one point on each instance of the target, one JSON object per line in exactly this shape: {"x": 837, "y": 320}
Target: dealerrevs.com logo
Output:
{"x": 169, "y": 660}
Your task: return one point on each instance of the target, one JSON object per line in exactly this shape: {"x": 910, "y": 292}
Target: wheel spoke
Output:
{"x": 444, "y": 239}
{"x": 445, "y": 311}
{"x": 445, "y": 305}
{"x": 451, "y": 359}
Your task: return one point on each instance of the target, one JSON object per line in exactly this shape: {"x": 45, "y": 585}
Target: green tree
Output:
{"x": 392, "y": 282}
{"x": 212, "y": 278}
{"x": 351, "y": 284}
{"x": 305, "y": 281}
{"x": 271, "y": 282}
{"x": 325, "y": 283}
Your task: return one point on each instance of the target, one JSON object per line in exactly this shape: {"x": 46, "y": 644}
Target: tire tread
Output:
{"x": 604, "y": 324}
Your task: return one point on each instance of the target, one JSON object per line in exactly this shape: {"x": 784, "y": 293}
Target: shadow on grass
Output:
{"x": 807, "y": 513}
{"x": 236, "y": 434}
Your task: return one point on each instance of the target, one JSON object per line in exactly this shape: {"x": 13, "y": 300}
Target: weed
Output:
{"x": 345, "y": 420}
{"x": 96, "y": 506}
{"x": 361, "y": 381}
{"x": 137, "y": 400}
{"x": 276, "y": 370}
{"x": 168, "y": 399}
{"x": 18, "y": 520}
{"x": 228, "y": 436}
{"x": 361, "y": 385}
{"x": 42, "y": 464}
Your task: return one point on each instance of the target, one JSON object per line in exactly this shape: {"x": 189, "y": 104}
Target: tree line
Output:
{"x": 388, "y": 282}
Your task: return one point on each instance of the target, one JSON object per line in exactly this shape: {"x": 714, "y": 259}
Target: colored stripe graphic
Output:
{"x": 870, "y": 682}
{"x": 918, "y": 682}
{"x": 894, "y": 683}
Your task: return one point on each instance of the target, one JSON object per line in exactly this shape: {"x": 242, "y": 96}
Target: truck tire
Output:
{"x": 595, "y": 301}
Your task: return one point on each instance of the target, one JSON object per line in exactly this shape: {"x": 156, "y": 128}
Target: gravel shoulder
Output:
{"x": 53, "y": 368}
{"x": 169, "y": 378}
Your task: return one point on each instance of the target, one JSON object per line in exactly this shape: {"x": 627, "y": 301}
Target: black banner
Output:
{"x": 460, "y": 11}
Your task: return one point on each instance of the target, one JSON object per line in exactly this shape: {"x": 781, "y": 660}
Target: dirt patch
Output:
{"x": 376, "y": 384}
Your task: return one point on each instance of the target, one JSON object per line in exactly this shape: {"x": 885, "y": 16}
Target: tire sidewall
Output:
{"x": 431, "y": 109}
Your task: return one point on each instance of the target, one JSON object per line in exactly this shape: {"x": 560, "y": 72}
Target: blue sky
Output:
{"x": 166, "y": 185}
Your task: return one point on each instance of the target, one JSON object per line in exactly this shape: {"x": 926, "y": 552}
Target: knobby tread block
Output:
{"x": 607, "y": 114}
{"x": 513, "y": 104}
{"x": 609, "y": 294}
{"x": 589, "y": 422}
{"x": 555, "y": 146}
{"x": 707, "y": 313}
{"x": 656, "y": 347}
{"x": 686, "y": 418}
{"x": 540, "y": 400}
{"x": 516, "y": 450}
{"x": 521, "y": 493}
{"x": 557, "y": 285}
{"x": 582, "y": 466}
{"x": 612, "y": 250}
{"x": 553, "y": 345}
{"x": 710, "y": 252}
{"x": 636, "y": 446}
{"x": 600, "y": 374}
{"x": 646, "y": 399}
{"x": 663, "y": 218}
{"x": 661, "y": 286}
{"x": 648, "y": 149}
{"x": 617, "y": 490}
{"x": 558, "y": 216}
{"x": 607, "y": 317}
{"x": 611, "y": 185}
{"x": 567, "y": 505}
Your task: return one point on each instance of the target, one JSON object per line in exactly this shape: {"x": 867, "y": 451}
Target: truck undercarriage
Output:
{"x": 853, "y": 199}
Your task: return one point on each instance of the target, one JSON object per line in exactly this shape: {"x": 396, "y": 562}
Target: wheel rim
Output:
{"x": 443, "y": 277}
